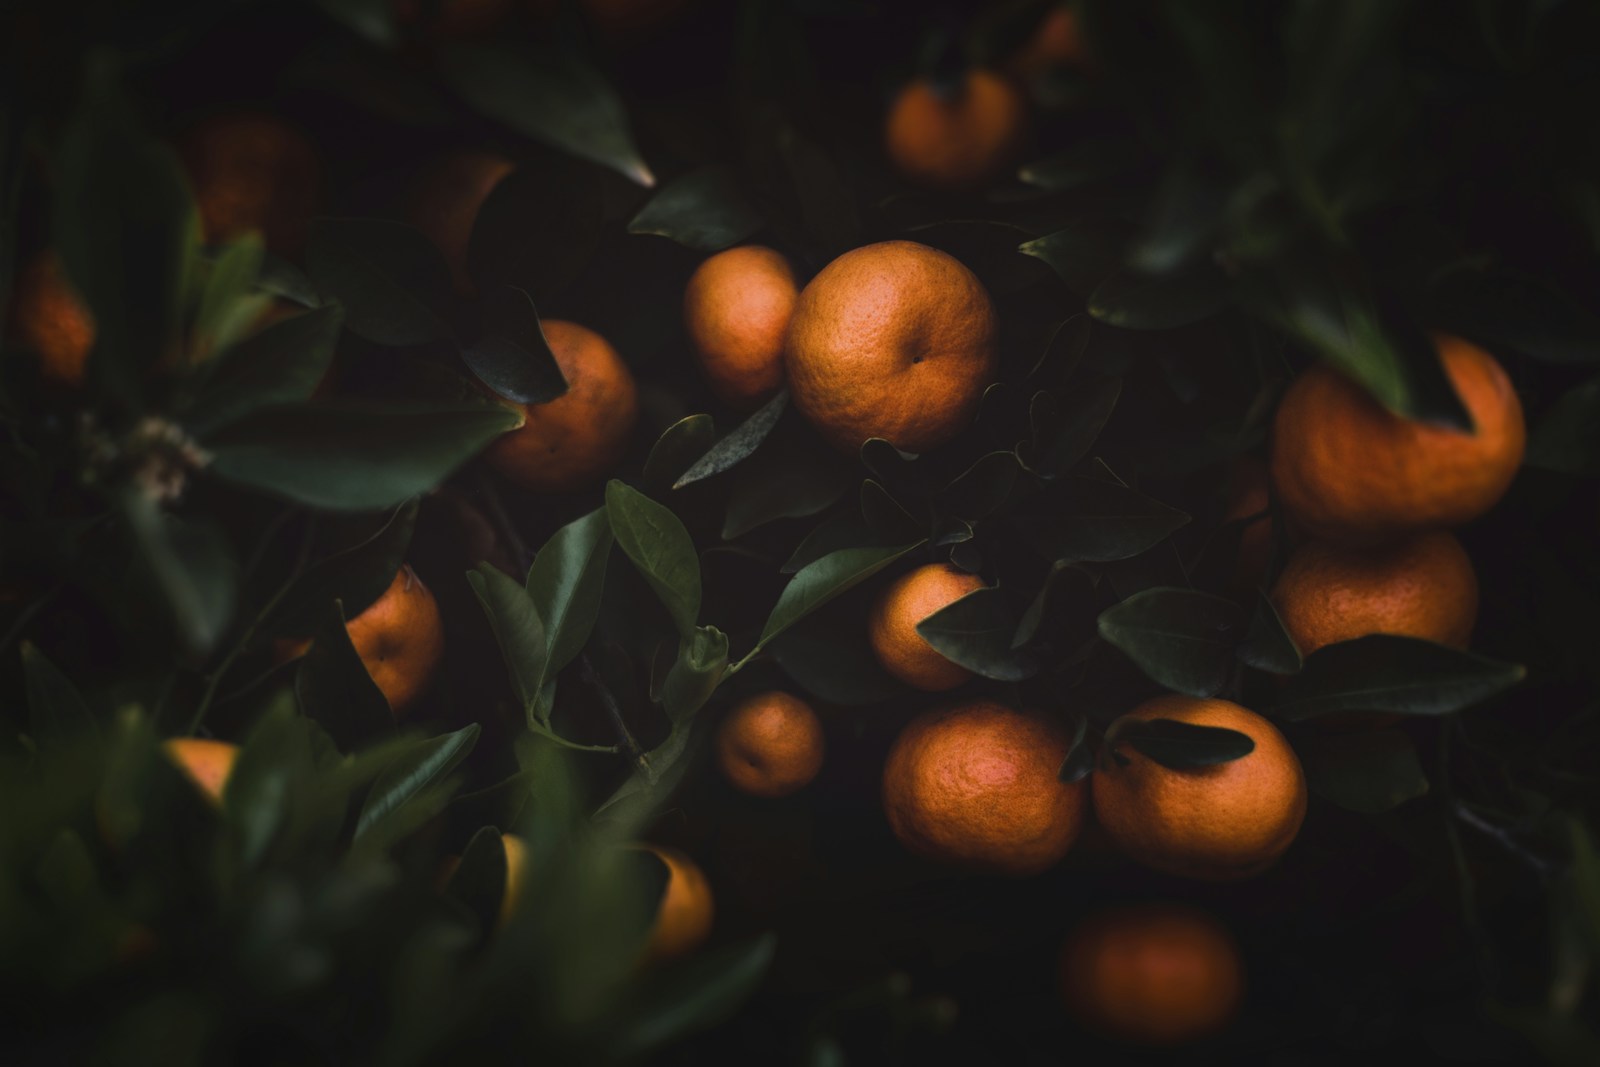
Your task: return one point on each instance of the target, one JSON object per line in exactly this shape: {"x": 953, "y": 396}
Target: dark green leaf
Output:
{"x": 539, "y": 226}
{"x": 372, "y": 19}
{"x": 702, "y": 662}
{"x": 283, "y": 364}
{"x": 704, "y": 210}
{"x": 394, "y": 284}
{"x": 228, "y": 283}
{"x": 828, "y": 654}
{"x": 1367, "y": 771}
{"x": 1099, "y": 521}
{"x": 335, "y": 690}
{"x": 187, "y": 568}
{"x": 821, "y": 581}
{"x": 356, "y": 576}
{"x": 517, "y": 628}
{"x": 1382, "y": 672}
{"x": 1136, "y": 301}
{"x": 738, "y": 444}
{"x": 663, "y": 767}
{"x": 885, "y": 518}
{"x": 479, "y": 880}
{"x": 1065, "y": 587}
{"x": 692, "y": 996}
{"x": 1567, "y": 438}
{"x": 1084, "y": 254}
{"x": 550, "y": 93}
{"x": 413, "y": 772}
{"x": 1524, "y": 314}
{"x": 981, "y": 489}
{"x": 659, "y": 546}
{"x": 975, "y": 632}
{"x": 785, "y": 484}
{"x": 565, "y": 584}
{"x": 1182, "y": 639}
{"x": 844, "y": 529}
{"x": 354, "y": 457}
{"x": 1064, "y": 431}
{"x": 512, "y": 356}
{"x": 675, "y": 451}
{"x": 1079, "y": 763}
{"x": 827, "y": 201}
{"x": 1181, "y": 745}
{"x": 1267, "y": 645}
{"x": 57, "y": 714}
{"x": 987, "y": 248}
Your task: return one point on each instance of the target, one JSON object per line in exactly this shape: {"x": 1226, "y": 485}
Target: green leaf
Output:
{"x": 701, "y": 664}
{"x": 819, "y": 582}
{"x": 828, "y": 654}
{"x": 187, "y": 569}
{"x": 283, "y": 364}
{"x": 843, "y": 529}
{"x": 549, "y": 93}
{"x": 1101, "y": 521}
{"x": 1063, "y": 587}
{"x": 538, "y": 228}
{"x": 335, "y": 690}
{"x": 785, "y": 483}
{"x": 564, "y": 585}
{"x": 1267, "y": 645}
{"x": 371, "y": 19}
{"x": 975, "y": 632}
{"x": 690, "y": 996}
{"x": 57, "y": 714}
{"x": 1135, "y": 301}
{"x": 1180, "y": 745}
{"x": 354, "y": 457}
{"x": 231, "y": 278}
{"x": 737, "y": 445}
{"x": 1367, "y": 771}
{"x": 675, "y": 451}
{"x": 886, "y": 518}
{"x": 1567, "y": 438}
{"x": 1063, "y": 432}
{"x": 704, "y": 210}
{"x": 512, "y": 356}
{"x": 357, "y": 576}
{"x": 1404, "y": 675}
{"x": 413, "y": 772}
{"x": 1079, "y": 763}
{"x": 663, "y": 767}
{"x": 1182, "y": 639}
{"x": 479, "y": 880}
{"x": 980, "y": 490}
{"x": 659, "y": 546}
{"x": 517, "y": 629}
{"x": 394, "y": 284}
{"x": 1083, "y": 254}
{"x": 1525, "y": 314}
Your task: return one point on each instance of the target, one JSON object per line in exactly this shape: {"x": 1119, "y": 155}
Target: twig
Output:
{"x": 1505, "y": 839}
{"x": 609, "y": 702}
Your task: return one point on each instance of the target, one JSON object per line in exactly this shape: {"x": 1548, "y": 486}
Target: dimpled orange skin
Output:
{"x": 49, "y": 317}
{"x": 736, "y": 309}
{"x": 400, "y": 639}
{"x": 892, "y": 626}
{"x": 253, "y": 172}
{"x": 445, "y": 201}
{"x": 770, "y": 745}
{"x": 955, "y": 142}
{"x": 975, "y": 786}
{"x": 1420, "y": 586}
{"x": 894, "y": 340}
{"x": 1347, "y": 469}
{"x": 206, "y": 763}
{"x": 683, "y": 920}
{"x": 1153, "y": 974}
{"x": 581, "y": 436}
{"x": 1218, "y": 823}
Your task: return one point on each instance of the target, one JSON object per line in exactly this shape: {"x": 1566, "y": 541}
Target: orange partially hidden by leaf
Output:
{"x": 892, "y": 626}
{"x": 204, "y": 762}
{"x": 49, "y": 318}
{"x": 736, "y": 310}
{"x": 976, "y": 786}
{"x": 1056, "y": 42}
{"x": 1248, "y": 503}
{"x": 1218, "y": 822}
{"x": 959, "y": 138}
{"x": 1348, "y": 469}
{"x": 770, "y": 745}
{"x": 1153, "y": 974}
{"x": 576, "y": 439}
{"x": 253, "y": 172}
{"x": 894, "y": 340}
{"x": 684, "y": 917}
{"x": 445, "y": 201}
{"x": 400, "y": 639}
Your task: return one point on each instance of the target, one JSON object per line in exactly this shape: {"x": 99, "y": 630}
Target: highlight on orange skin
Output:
{"x": 683, "y": 920}
{"x": 206, "y": 763}
{"x": 49, "y": 317}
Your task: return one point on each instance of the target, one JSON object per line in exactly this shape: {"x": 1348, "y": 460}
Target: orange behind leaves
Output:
{"x": 736, "y": 309}
{"x": 683, "y": 920}
{"x": 1348, "y": 469}
{"x": 253, "y": 172}
{"x": 400, "y": 639}
{"x": 770, "y": 745}
{"x": 894, "y": 340}
{"x": 445, "y": 201}
{"x": 892, "y": 626}
{"x": 1419, "y": 586}
{"x": 975, "y": 786}
{"x": 206, "y": 763}
{"x": 1153, "y": 974}
{"x": 1226, "y": 821}
{"x": 581, "y": 436}
{"x": 957, "y": 140}
{"x": 50, "y": 318}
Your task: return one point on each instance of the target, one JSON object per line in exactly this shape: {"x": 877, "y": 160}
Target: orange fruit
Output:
{"x": 894, "y": 340}
{"x": 1229, "y": 820}
{"x": 770, "y": 745}
{"x": 1057, "y": 41}
{"x": 1153, "y": 974}
{"x": 1419, "y": 586}
{"x": 579, "y": 437}
{"x": 736, "y": 310}
{"x": 957, "y": 140}
{"x": 445, "y": 201}
{"x": 683, "y": 919}
{"x": 205, "y": 763}
{"x": 400, "y": 639}
{"x": 1348, "y": 469}
{"x": 516, "y": 874}
{"x": 253, "y": 172}
{"x": 892, "y": 626}
{"x": 49, "y": 317}
{"x": 976, "y": 786}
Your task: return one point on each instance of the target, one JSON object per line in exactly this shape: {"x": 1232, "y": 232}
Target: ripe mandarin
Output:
{"x": 253, "y": 172}
{"x": 400, "y": 639}
{"x": 956, "y": 139}
{"x": 50, "y": 318}
{"x": 892, "y": 626}
{"x": 204, "y": 762}
{"x": 770, "y": 745}
{"x": 736, "y": 310}
{"x": 683, "y": 920}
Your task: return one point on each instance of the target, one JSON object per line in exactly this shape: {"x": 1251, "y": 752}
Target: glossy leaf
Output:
{"x": 692, "y": 996}
{"x": 676, "y": 450}
{"x": 1099, "y": 521}
{"x": 1135, "y": 301}
{"x": 659, "y": 546}
{"x": 1181, "y": 745}
{"x": 1382, "y": 672}
{"x": 981, "y": 489}
{"x": 1079, "y": 763}
{"x": 564, "y": 585}
{"x": 518, "y": 630}
{"x": 1084, "y": 254}
{"x": 423, "y": 766}
{"x": 702, "y": 661}
{"x": 1365, "y": 771}
{"x": 392, "y": 281}
{"x": 704, "y": 210}
{"x": 538, "y": 228}
{"x": 356, "y": 576}
{"x": 819, "y": 582}
{"x": 335, "y": 690}
{"x": 1064, "y": 431}
{"x": 975, "y": 632}
{"x": 737, "y": 445}
{"x": 1267, "y": 645}
{"x": 783, "y": 484}
{"x": 283, "y": 364}
{"x": 512, "y": 356}
{"x": 1182, "y": 639}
